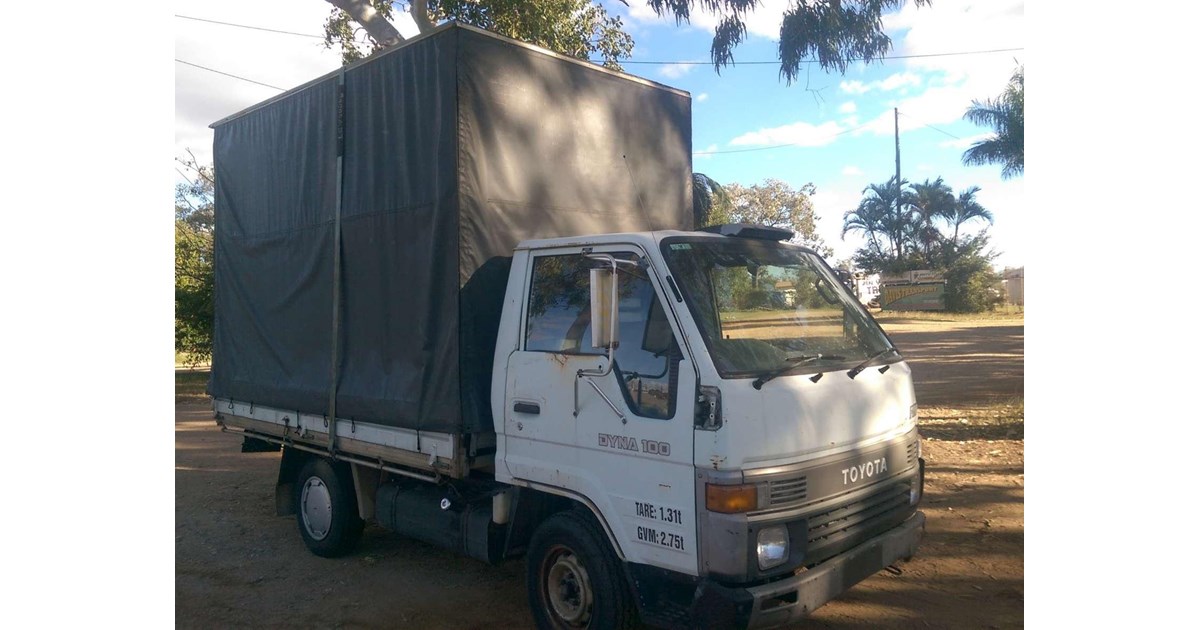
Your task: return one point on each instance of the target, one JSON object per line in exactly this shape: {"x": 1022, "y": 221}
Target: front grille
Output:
{"x": 912, "y": 452}
{"x": 850, "y": 523}
{"x": 785, "y": 491}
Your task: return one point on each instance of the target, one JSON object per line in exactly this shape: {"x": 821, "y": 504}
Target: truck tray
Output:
{"x": 444, "y": 454}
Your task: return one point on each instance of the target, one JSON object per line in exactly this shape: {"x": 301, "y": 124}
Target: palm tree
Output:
{"x": 1006, "y": 116}
{"x": 931, "y": 201}
{"x": 878, "y": 215}
{"x": 965, "y": 209}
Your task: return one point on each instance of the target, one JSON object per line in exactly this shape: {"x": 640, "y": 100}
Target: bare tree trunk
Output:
{"x": 376, "y": 25}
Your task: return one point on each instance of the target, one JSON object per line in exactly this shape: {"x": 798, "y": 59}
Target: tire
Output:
{"x": 326, "y": 508}
{"x": 573, "y": 577}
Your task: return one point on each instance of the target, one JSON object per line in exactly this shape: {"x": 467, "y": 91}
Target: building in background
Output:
{"x": 1014, "y": 285}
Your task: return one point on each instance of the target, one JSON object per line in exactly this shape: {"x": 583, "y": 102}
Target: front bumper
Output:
{"x": 789, "y": 599}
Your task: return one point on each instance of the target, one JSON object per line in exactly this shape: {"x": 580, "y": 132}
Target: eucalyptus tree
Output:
{"x": 1006, "y": 116}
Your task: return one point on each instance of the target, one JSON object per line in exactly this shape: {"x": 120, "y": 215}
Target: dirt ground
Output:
{"x": 238, "y": 565}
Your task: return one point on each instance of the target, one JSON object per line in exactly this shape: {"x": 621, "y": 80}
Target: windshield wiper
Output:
{"x": 793, "y": 363}
{"x": 871, "y": 359}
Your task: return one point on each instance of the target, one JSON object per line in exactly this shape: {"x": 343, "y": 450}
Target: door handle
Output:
{"x": 527, "y": 407}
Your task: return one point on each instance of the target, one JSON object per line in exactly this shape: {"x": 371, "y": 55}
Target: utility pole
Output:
{"x": 896, "y": 113}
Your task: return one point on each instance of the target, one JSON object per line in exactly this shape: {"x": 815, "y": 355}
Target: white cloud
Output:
{"x": 847, "y": 108}
{"x": 854, "y": 87}
{"x": 894, "y": 82}
{"x": 851, "y": 171}
{"x": 964, "y": 26}
{"x": 701, "y": 97}
{"x": 675, "y": 70}
{"x": 798, "y": 133}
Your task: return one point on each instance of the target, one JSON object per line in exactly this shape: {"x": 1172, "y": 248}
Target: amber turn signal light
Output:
{"x": 730, "y": 499}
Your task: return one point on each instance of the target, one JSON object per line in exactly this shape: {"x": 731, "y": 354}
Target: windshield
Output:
{"x": 763, "y": 306}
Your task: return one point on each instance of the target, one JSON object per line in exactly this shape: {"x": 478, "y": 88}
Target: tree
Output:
{"x": 194, "y": 264}
{"x": 931, "y": 201}
{"x": 711, "y": 204}
{"x": 965, "y": 209}
{"x": 777, "y": 204}
{"x": 577, "y": 28}
{"x": 884, "y": 221}
{"x": 834, "y": 33}
{"x": 1006, "y": 116}
{"x": 971, "y": 283}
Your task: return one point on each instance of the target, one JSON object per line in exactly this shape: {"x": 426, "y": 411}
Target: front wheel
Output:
{"x": 574, "y": 578}
{"x": 326, "y": 509}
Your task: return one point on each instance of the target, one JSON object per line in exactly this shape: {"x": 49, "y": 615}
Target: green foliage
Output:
{"x": 908, "y": 236}
{"x": 711, "y": 204}
{"x": 194, "y": 223}
{"x": 971, "y": 283}
{"x": 1006, "y": 116}
{"x": 193, "y": 292}
{"x": 832, "y": 33}
{"x": 887, "y": 224}
{"x": 777, "y": 204}
{"x": 576, "y": 28}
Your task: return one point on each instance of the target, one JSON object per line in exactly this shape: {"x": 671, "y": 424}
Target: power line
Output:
{"x": 754, "y": 63}
{"x": 931, "y": 127}
{"x": 257, "y": 28}
{"x": 188, "y": 63}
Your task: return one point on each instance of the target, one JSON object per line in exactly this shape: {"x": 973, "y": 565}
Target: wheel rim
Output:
{"x": 316, "y": 508}
{"x": 567, "y": 587}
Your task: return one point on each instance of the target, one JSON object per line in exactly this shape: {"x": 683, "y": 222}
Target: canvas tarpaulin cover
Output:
{"x": 455, "y": 146}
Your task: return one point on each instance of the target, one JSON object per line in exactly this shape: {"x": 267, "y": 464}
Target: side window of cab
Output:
{"x": 646, "y": 362}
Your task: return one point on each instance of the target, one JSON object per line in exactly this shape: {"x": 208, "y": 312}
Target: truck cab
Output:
{"x": 735, "y": 429}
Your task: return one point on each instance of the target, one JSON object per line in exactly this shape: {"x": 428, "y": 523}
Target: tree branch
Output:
{"x": 376, "y": 25}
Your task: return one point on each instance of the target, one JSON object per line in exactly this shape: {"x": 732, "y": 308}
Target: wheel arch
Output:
{"x": 558, "y": 500}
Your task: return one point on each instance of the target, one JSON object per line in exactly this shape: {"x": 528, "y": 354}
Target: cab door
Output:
{"x": 623, "y": 440}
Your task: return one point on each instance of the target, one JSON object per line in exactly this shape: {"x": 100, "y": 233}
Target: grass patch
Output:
{"x": 1001, "y": 420}
{"x": 189, "y": 386}
{"x": 1002, "y": 313}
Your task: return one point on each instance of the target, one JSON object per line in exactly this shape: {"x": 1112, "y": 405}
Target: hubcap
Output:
{"x": 316, "y": 508}
{"x": 568, "y": 588}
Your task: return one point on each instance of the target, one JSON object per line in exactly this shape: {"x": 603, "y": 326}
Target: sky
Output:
{"x": 838, "y": 130}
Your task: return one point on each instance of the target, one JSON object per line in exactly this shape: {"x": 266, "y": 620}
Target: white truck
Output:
{"x": 417, "y": 301}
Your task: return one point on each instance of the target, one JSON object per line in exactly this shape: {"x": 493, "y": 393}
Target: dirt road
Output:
{"x": 238, "y": 565}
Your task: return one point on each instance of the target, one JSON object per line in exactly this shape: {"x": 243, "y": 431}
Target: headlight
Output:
{"x": 772, "y": 546}
{"x": 918, "y": 487}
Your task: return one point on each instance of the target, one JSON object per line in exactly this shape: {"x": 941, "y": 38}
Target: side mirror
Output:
{"x": 604, "y": 308}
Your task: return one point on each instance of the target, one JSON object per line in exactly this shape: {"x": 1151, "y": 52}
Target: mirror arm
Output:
{"x": 611, "y": 347}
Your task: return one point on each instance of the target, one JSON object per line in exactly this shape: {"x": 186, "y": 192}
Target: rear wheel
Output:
{"x": 326, "y": 509}
{"x": 574, "y": 578}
